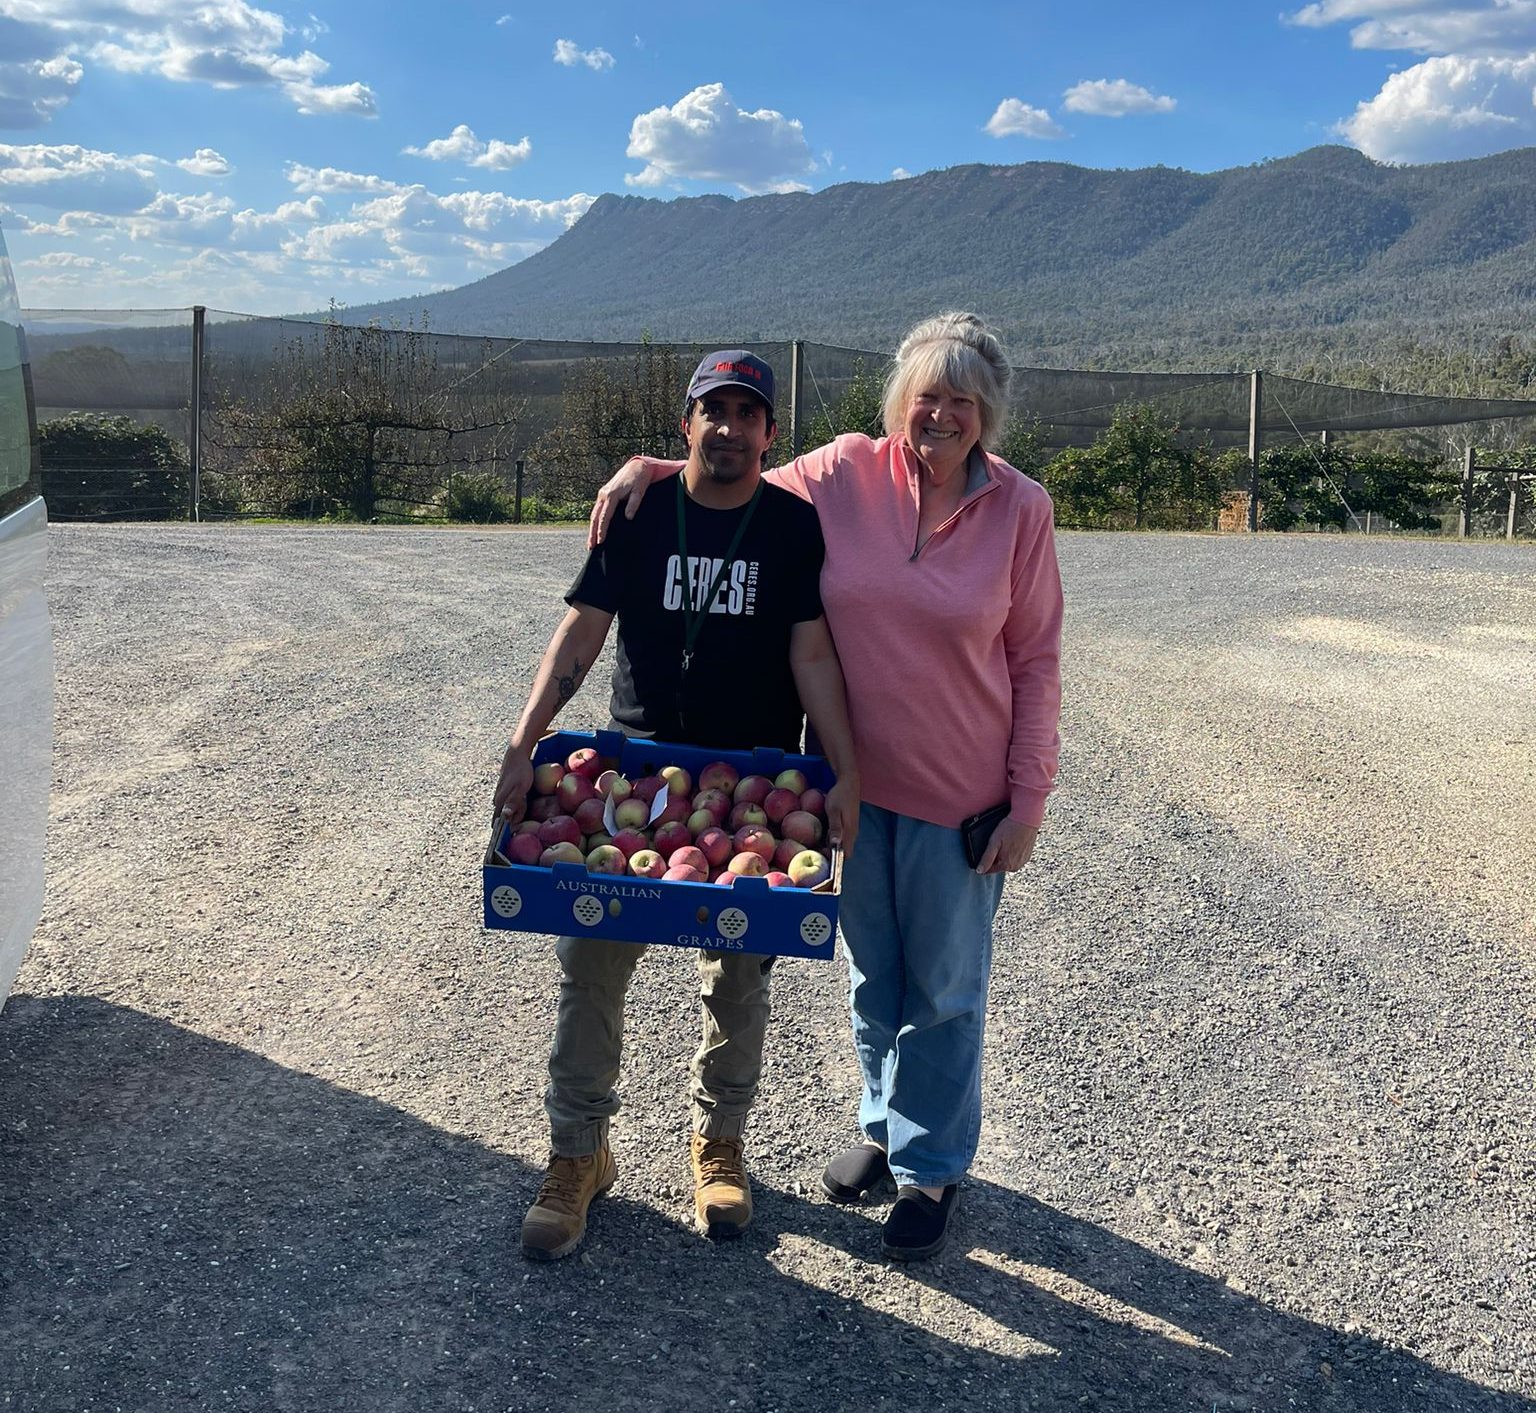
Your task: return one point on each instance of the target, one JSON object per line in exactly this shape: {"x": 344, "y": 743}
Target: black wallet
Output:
{"x": 976, "y": 831}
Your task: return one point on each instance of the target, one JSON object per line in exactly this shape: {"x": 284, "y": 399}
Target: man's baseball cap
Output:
{"x": 733, "y": 367}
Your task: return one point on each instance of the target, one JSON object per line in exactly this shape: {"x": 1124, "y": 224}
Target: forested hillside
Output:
{"x": 1324, "y": 261}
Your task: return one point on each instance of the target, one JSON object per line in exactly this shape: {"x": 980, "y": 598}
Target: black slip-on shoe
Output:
{"x": 918, "y": 1227}
{"x": 855, "y": 1173}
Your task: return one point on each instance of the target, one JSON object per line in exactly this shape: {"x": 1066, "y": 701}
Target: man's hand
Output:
{"x": 510, "y": 801}
{"x": 843, "y": 815}
{"x": 1009, "y": 848}
{"x": 628, "y": 484}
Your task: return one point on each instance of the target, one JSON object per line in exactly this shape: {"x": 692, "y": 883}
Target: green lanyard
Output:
{"x": 693, "y": 618}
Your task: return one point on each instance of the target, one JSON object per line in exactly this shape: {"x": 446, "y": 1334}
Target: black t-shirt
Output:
{"x": 738, "y": 691}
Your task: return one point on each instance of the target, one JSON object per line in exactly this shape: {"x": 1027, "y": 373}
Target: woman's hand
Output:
{"x": 1009, "y": 848}
{"x": 628, "y": 484}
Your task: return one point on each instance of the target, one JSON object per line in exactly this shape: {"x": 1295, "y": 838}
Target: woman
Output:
{"x": 941, "y": 589}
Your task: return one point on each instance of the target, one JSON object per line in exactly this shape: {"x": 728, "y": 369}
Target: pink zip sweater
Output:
{"x": 952, "y": 650}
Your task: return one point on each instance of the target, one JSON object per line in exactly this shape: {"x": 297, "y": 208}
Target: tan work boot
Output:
{"x": 722, "y": 1196}
{"x": 557, "y": 1221}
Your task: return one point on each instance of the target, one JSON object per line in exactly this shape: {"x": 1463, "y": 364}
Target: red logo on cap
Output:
{"x": 746, "y": 368}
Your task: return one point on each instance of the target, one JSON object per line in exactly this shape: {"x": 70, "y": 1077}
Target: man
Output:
{"x": 722, "y": 643}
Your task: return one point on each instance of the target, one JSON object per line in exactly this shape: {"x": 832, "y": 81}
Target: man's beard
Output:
{"x": 727, "y": 471}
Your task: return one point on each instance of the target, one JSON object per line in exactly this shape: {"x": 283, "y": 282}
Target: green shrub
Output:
{"x": 97, "y": 467}
{"x": 478, "y": 498}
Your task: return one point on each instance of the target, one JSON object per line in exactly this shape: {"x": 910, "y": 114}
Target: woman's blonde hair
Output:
{"x": 957, "y": 351}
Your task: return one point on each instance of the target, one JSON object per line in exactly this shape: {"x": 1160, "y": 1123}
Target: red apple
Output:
{"x": 562, "y": 829}
{"x": 648, "y": 787}
{"x": 528, "y": 826}
{"x": 780, "y": 802}
{"x": 675, "y": 811}
{"x": 803, "y": 827}
{"x": 748, "y": 863}
{"x": 574, "y": 790}
{"x": 543, "y": 807}
{"x": 752, "y": 789}
{"x": 546, "y": 777}
{"x": 780, "y": 880}
{"x": 679, "y": 782}
{"x": 793, "y": 780}
{"x": 787, "y": 849}
{"x": 681, "y": 873}
{"x": 715, "y": 845}
{"x": 689, "y": 856}
{"x": 670, "y": 837}
{"x": 717, "y": 775}
{"x": 747, "y": 813}
{"x": 613, "y": 786}
{"x": 560, "y": 853}
{"x": 647, "y": 864}
{"x": 756, "y": 840}
{"x": 808, "y": 868}
{"x": 723, "y": 876}
{"x": 634, "y": 813}
{"x": 588, "y": 814}
{"x": 813, "y": 801}
{"x": 717, "y": 802}
{"x": 606, "y": 859}
{"x": 524, "y": 848}
{"x": 586, "y": 762}
{"x": 629, "y": 842}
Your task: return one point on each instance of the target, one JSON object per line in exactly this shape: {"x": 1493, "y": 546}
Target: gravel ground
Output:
{"x": 1259, "y": 1085}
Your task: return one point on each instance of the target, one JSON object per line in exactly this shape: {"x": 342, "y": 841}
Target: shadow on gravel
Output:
{"x": 1132, "y": 1330}
{"x": 188, "y": 1226}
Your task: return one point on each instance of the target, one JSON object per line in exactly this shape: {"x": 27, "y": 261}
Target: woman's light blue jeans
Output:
{"x": 917, "y": 932}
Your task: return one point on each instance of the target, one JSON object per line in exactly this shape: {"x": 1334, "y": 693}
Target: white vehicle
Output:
{"x": 26, "y": 646}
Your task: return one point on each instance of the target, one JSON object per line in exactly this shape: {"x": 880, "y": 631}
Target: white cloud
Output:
{"x": 222, "y": 43}
{"x": 1448, "y": 108}
{"x": 567, "y": 52}
{"x": 326, "y": 180}
{"x": 481, "y": 213}
{"x": 704, "y": 136}
{"x": 461, "y": 145}
{"x": 31, "y": 90}
{"x": 350, "y": 99}
{"x": 205, "y": 162}
{"x": 899, "y": 174}
{"x": 1467, "y": 27}
{"x": 69, "y": 177}
{"x": 1114, "y": 98}
{"x": 1016, "y": 119}
{"x": 1473, "y": 97}
{"x": 68, "y": 260}
{"x": 504, "y": 20}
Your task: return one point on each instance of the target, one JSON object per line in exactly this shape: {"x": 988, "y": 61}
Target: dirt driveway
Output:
{"x": 1259, "y": 1093}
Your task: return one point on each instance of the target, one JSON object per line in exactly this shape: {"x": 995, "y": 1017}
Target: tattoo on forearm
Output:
{"x": 566, "y": 685}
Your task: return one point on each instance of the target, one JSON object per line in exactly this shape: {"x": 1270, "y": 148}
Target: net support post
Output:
{"x": 1468, "y": 470}
{"x": 195, "y": 430}
{"x": 1515, "y": 482}
{"x": 517, "y": 491}
{"x": 796, "y": 388}
{"x": 1255, "y": 444}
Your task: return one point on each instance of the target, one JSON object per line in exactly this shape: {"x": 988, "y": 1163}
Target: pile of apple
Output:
{"x": 716, "y": 834}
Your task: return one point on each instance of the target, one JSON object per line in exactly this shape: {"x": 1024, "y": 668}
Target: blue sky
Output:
{"x": 160, "y": 153}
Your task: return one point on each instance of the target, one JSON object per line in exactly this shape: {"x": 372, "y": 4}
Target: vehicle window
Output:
{"x": 17, "y": 438}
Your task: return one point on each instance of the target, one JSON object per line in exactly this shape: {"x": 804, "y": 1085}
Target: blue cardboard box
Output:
{"x": 748, "y": 916}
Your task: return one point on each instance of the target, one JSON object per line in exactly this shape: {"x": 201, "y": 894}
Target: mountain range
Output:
{"x": 1325, "y": 251}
